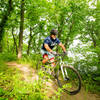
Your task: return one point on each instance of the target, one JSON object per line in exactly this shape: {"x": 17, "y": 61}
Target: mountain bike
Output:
{"x": 67, "y": 76}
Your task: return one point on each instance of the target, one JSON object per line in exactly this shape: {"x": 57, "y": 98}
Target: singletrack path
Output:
{"x": 29, "y": 74}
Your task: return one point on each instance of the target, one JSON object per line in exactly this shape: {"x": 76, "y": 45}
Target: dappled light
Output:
{"x": 49, "y": 49}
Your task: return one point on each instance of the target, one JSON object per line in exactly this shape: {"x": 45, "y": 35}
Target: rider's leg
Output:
{"x": 45, "y": 58}
{"x": 52, "y": 62}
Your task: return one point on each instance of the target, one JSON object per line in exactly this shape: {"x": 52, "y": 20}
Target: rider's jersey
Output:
{"x": 51, "y": 43}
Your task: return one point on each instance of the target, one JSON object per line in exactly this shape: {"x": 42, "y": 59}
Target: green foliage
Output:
{"x": 8, "y": 57}
{"x": 74, "y": 19}
{"x": 12, "y": 85}
{"x": 86, "y": 62}
{"x": 31, "y": 60}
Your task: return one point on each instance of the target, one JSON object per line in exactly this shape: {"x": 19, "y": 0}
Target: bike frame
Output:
{"x": 61, "y": 64}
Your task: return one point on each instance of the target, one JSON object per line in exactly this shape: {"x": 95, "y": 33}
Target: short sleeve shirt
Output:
{"x": 51, "y": 43}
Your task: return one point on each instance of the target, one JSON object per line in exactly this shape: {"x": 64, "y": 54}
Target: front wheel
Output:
{"x": 69, "y": 79}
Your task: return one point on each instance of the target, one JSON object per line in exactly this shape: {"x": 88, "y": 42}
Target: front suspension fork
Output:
{"x": 64, "y": 73}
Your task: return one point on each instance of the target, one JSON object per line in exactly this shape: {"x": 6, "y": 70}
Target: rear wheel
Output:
{"x": 71, "y": 83}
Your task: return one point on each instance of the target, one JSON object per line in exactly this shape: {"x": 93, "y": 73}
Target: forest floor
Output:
{"x": 29, "y": 74}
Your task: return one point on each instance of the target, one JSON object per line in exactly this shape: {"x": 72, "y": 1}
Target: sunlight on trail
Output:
{"x": 25, "y": 69}
{"x": 51, "y": 87}
{"x": 28, "y": 73}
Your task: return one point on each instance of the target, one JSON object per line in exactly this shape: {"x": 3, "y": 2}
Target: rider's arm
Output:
{"x": 62, "y": 46}
{"x": 47, "y": 48}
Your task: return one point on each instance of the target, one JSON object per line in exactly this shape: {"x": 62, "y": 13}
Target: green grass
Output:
{"x": 8, "y": 57}
{"x": 13, "y": 87}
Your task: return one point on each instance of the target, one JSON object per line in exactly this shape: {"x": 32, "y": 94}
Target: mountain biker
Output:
{"x": 48, "y": 44}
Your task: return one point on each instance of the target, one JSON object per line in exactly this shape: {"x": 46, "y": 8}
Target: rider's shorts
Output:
{"x": 46, "y": 53}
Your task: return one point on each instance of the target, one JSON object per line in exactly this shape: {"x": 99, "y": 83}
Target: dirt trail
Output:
{"x": 30, "y": 75}
{"x": 82, "y": 95}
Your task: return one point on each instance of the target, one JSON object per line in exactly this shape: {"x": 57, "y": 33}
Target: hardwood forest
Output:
{"x": 24, "y": 24}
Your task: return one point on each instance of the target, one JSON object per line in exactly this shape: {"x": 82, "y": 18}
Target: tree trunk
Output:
{"x": 15, "y": 44}
{"x": 67, "y": 38}
{"x": 7, "y": 43}
{"x": 29, "y": 42}
{"x": 3, "y": 22}
{"x": 21, "y": 30}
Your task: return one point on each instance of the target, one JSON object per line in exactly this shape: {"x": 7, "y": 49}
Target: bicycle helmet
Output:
{"x": 53, "y": 32}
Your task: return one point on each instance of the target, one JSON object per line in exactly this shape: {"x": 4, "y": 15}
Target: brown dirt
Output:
{"x": 30, "y": 75}
{"x": 82, "y": 95}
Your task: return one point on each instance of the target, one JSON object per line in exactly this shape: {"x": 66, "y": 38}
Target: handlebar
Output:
{"x": 60, "y": 54}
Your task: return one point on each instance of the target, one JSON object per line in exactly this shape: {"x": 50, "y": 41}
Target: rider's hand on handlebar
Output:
{"x": 65, "y": 52}
{"x": 54, "y": 53}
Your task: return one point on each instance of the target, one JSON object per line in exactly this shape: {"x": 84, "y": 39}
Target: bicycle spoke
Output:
{"x": 70, "y": 81}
